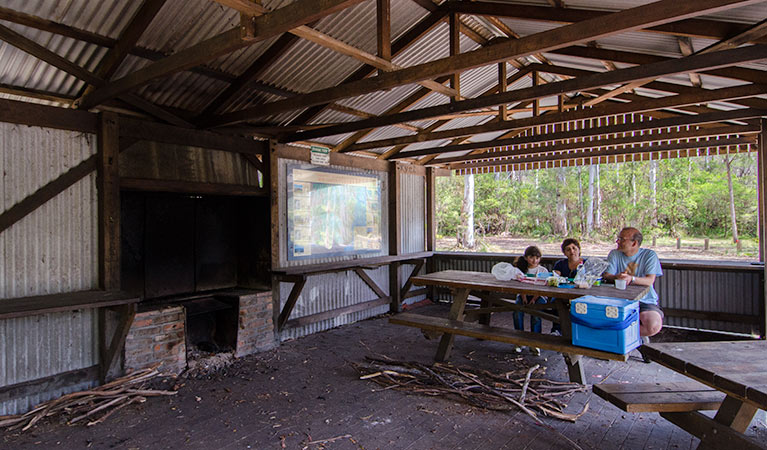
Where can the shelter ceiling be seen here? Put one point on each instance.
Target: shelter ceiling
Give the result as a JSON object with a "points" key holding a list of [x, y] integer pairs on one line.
{"points": [[380, 77]]}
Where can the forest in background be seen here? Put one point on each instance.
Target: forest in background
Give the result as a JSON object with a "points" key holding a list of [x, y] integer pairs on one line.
{"points": [[708, 196]]}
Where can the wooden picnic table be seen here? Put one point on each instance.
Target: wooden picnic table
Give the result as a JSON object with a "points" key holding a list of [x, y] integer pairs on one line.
{"points": [[737, 368], [498, 296]]}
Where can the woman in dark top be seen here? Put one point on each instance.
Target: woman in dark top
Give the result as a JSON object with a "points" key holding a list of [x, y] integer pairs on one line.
{"points": [[567, 268], [572, 250]]}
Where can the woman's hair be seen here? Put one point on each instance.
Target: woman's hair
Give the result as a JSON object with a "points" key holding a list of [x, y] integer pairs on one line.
{"points": [[521, 261], [569, 241]]}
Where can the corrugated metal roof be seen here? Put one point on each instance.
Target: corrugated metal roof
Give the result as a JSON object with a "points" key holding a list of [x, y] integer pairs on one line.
{"points": [[305, 66]]}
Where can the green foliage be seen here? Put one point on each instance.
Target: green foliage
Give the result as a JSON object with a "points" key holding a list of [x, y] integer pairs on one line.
{"points": [[692, 198]]}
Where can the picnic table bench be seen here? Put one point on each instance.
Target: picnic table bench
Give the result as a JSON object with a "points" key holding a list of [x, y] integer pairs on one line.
{"points": [[731, 379], [494, 298]]}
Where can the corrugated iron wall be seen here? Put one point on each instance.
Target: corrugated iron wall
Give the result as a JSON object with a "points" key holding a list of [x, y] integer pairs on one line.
{"points": [[412, 231], [731, 292], [329, 291], [52, 250], [691, 287]]}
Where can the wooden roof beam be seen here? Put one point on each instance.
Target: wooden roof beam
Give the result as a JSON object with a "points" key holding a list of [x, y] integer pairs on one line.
{"points": [[399, 45], [685, 46], [620, 150], [61, 63], [586, 137], [703, 28], [659, 12], [644, 72], [127, 40], [605, 109], [291, 16]]}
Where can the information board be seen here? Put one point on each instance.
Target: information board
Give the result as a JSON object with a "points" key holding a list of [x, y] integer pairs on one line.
{"points": [[332, 212]]}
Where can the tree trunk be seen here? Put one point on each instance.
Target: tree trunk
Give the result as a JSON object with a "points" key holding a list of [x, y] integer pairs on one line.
{"points": [[581, 208], [561, 223], [467, 211], [728, 163], [633, 188], [598, 218], [590, 205], [653, 192]]}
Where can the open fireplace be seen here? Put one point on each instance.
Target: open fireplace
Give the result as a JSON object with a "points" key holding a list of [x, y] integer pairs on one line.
{"points": [[201, 265]]}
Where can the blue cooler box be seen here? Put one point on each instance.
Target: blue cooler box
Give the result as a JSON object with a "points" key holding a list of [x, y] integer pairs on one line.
{"points": [[603, 323]]}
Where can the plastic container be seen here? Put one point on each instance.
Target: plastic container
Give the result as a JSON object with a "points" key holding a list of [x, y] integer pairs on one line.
{"points": [[603, 323]]}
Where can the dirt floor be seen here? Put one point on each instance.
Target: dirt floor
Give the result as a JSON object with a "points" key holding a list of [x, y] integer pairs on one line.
{"points": [[306, 395], [516, 245]]}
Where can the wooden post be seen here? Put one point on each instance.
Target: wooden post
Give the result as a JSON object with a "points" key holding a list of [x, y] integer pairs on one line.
{"points": [[431, 223], [395, 219], [738, 246], [678, 243], [272, 180], [455, 49], [761, 192], [383, 25], [653, 241], [108, 186], [502, 74]]}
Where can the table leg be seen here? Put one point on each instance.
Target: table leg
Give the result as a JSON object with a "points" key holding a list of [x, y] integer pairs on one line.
{"points": [[484, 319], [573, 362], [456, 313], [724, 431], [733, 414]]}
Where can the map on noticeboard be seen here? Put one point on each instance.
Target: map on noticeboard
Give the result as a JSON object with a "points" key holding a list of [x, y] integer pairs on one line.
{"points": [[332, 212]]}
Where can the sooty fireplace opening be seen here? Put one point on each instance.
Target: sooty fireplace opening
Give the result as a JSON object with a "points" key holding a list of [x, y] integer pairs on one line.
{"points": [[211, 324]]}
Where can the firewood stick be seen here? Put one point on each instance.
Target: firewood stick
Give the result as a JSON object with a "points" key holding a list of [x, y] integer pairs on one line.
{"points": [[138, 399], [99, 408]]}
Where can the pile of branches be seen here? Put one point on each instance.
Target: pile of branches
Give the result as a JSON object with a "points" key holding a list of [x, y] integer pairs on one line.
{"points": [[518, 389], [95, 405]]}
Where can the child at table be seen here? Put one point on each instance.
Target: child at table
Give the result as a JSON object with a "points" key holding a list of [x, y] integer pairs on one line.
{"points": [[529, 264]]}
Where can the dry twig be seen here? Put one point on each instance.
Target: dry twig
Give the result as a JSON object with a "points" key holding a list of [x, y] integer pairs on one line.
{"points": [[106, 399]]}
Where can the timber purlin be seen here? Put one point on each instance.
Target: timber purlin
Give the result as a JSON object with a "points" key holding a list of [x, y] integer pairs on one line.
{"points": [[660, 397], [559, 344]]}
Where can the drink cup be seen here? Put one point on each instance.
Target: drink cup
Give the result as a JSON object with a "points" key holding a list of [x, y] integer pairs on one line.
{"points": [[620, 284]]}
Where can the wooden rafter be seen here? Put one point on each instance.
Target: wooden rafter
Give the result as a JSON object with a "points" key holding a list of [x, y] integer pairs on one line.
{"points": [[383, 28], [611, 151], [127, 40], [692, 27], [624, 139], [606, 109], [42, 53], [648, 71], [591, 133], [250, 74], [259, 28], [663, 11], [685, 46], [625, 155], [399, 45]]}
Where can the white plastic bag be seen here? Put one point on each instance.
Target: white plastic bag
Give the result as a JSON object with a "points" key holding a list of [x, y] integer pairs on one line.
{"points": [[589, 272], [504, 271]]}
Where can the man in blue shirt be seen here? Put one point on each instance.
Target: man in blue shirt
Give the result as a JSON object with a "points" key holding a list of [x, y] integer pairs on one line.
{"points": [[637, 266]]}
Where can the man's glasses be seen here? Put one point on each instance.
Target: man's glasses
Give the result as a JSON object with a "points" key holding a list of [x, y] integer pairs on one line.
{"points": [[621, 239]]}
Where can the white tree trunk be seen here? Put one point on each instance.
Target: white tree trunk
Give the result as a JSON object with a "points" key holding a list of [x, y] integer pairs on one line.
{"points": [[728, 163], [598, 218], [561, 223], [653, 192], [590, 204], [467, 209]]}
